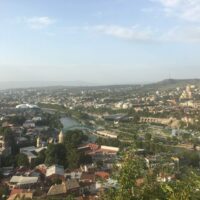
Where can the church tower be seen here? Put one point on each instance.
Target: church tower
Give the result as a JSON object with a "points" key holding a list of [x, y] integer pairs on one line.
{"points": [[39, 142], [61, 137]]}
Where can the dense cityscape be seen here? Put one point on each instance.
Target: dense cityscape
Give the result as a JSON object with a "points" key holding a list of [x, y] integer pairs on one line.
{"points": [[109, 142], [99, 100]]}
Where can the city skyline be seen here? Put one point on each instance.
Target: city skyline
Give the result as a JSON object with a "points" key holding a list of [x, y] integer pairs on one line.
{"points": [[107, 42]]}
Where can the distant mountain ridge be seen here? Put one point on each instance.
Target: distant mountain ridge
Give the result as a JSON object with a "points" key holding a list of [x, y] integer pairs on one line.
{"points": [[175, 81], [164, 84], [33, 84], [172, 83]]}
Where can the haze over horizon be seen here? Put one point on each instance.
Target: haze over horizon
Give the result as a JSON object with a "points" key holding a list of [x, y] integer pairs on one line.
{"points": [[99, 42], [34, 84]]}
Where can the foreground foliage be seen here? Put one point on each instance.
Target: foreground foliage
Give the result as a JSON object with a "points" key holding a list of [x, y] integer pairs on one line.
{"points": [[136, 182]]}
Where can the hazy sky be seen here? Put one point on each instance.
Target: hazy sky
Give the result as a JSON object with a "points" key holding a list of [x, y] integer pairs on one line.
{"points": [[99, 41]]}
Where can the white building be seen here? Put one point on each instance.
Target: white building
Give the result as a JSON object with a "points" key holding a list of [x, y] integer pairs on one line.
{"points": [[17, 181], [31, 152], [5, 149], [26, 106], [29, 124], [55, 170], [106, 134], [61, 137]]}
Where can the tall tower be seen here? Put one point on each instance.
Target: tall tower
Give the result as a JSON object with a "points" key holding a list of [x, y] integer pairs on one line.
{"points": [[39, 142], [61, 137], [189, 93]]}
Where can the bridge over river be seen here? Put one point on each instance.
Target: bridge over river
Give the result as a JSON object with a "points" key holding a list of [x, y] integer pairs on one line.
{"points": [[79, 127], [71, 124]]}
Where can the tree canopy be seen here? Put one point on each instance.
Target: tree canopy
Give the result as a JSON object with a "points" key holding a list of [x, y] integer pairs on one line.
{"points": [[137, 182]]}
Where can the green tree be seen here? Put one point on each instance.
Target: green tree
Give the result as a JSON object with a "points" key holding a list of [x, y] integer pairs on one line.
{"points": [[7, 161], [9, 138], [4, 191], [74, 138], [148, 137], [133, 169], [73, 158], [40, 159], [17, 120], [55, 154], [84, 159], [22, 160], [69, 197]]}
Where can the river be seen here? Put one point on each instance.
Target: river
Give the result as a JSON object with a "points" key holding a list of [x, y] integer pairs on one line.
{"points": [[69, 123]]}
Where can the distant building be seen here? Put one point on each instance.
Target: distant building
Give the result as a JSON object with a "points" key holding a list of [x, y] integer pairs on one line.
{"points": [[23, 181], [100, 152], [5, 148], [55, 171], [31, 152], [69, 187], [7, 125], [102, 175], [26, 106], [39, 142], [109, 149], [87, 183], [20, 194], [172, 122], [36, 119], [72, 186], [57, 190], [61, 137], [106, 134], [187, 93], [29, 124]]}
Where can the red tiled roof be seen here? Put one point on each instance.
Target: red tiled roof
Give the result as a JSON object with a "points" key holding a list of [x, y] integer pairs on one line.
{"points": [[87, 177], [92, 146], [103, 175], [102, 151], [16, 191]]}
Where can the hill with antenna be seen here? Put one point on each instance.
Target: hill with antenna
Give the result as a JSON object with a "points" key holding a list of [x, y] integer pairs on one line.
{"points": [[173, 83]]}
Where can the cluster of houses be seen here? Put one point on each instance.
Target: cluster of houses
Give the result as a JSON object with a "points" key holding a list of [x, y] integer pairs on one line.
{"points": [[88, 180], [55, 181]]}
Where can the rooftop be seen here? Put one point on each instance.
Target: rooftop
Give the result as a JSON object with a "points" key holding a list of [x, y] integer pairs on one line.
{"points": [[23, 180], [55, 169]]}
